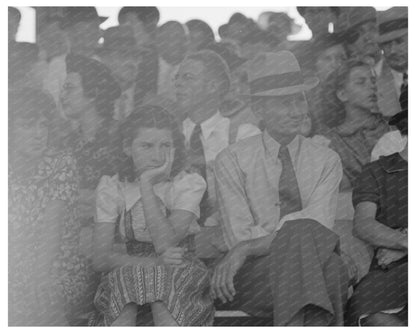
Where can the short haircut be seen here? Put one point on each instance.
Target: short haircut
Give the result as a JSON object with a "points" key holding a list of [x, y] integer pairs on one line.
{"points": [[97, 82], [148, 15], [216, 67], [152, 116], [332, 108]]}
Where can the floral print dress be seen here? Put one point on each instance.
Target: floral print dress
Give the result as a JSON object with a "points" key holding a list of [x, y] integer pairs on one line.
{"points": [[54, 179]]}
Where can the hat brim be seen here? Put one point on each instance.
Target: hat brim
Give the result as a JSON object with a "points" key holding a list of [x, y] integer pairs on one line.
{"points": [[392, 35], [309, 83]]}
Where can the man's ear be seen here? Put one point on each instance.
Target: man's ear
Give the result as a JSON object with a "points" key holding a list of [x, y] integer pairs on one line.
{"points": [[213, 86], [127, 149], [342, 96]]}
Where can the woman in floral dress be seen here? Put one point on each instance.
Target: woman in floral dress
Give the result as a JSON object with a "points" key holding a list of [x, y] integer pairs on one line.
{"points": [[47, 277]]}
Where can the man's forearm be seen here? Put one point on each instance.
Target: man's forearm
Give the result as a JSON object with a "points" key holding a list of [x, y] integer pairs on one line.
{"points": [[379, 235], [257, 247]]}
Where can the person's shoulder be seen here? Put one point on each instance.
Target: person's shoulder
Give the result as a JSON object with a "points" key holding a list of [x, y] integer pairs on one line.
{"points": [[247, 144], [318, 146], [242, 151]]}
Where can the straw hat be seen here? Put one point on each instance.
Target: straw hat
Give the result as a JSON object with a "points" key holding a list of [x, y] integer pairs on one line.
{"points": [[392, 24], [277, 74]]}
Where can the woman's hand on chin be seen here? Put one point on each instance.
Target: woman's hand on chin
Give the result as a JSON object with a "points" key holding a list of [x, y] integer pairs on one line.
{"points": [[157, 175]]}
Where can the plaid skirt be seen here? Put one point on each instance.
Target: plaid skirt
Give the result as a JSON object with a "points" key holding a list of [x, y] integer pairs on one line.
{"points": [[183, 289]]}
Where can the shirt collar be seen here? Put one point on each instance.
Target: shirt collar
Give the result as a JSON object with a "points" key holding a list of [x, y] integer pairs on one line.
{"points": [[273, 147], [393, 163], [378, 67], [208, 126]]}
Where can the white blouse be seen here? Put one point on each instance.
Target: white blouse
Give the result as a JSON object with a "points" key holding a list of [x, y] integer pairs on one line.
{"points": [[114, 197]]}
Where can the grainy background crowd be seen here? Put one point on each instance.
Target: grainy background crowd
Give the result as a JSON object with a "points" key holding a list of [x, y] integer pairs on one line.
{"points": [[159, 175]]}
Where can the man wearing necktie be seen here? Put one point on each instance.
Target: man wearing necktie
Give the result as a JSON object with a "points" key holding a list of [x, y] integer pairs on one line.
{"points": [[277, 194], [201, 84]]}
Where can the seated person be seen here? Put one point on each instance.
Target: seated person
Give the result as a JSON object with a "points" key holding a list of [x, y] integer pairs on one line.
{"points": [[349, 99], [154, 207], [277, 195], [48, 278], [320, 58], [391, 142], [381, 205]]}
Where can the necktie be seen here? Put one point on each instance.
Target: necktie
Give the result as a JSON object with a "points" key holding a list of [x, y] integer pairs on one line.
{"points": [[196, 152], [290, 200], [197, 160]]}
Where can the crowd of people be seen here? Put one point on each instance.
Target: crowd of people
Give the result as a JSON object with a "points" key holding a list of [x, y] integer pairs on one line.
{"points": [[160, 174]]}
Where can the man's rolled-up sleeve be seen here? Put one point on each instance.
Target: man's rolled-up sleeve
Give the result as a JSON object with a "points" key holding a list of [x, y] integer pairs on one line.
{"points": [[237, 222]]}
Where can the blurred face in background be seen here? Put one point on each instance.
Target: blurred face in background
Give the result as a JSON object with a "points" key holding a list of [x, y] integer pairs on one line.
{"points": [[73, 100], [53, 40], [172, 43], [139, 31], [192, 86], [365, 45], [123, 65], [329, 60], [31, 137], [360, 89], [396, 53], [84, 37]]}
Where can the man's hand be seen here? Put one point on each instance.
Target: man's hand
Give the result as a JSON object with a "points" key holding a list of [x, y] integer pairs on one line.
{"points": [[222, 282], [386, 256], [172, 256]]}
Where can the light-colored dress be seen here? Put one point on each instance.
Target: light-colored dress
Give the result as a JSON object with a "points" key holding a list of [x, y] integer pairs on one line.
{"points": [[183, 289]]}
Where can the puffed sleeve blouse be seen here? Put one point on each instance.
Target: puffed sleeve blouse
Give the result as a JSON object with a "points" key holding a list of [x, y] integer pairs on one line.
{"points": [[114, 198]]}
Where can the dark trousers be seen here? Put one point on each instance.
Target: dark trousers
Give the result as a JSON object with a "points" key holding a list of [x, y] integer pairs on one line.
{"points": [[303, 272]]}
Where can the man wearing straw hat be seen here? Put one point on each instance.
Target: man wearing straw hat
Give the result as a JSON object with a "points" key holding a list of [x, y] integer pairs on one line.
{"points": [[277, 194], [392, 73]]}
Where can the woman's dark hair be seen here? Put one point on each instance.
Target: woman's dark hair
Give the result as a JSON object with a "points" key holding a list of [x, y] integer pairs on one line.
{"points": [[29, 104], [152, 116], [97, 82], [308, 54], [333, 109]]}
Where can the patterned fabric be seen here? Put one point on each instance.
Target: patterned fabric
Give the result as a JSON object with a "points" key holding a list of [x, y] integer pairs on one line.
{"points": [[354, 145], [54, 179], [183, 289], [96, 158]]}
